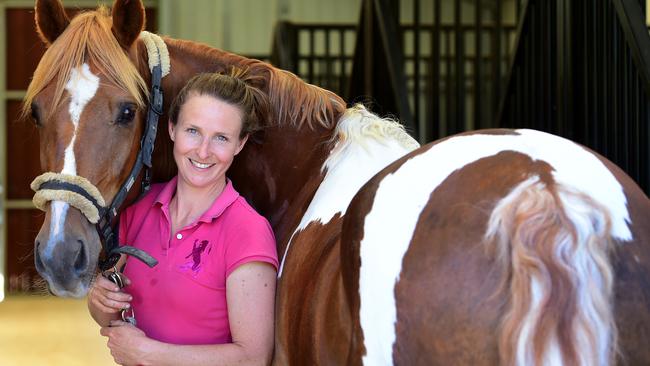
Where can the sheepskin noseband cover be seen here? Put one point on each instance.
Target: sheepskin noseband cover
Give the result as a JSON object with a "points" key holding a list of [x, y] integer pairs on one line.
{"points": [[73, 189]]}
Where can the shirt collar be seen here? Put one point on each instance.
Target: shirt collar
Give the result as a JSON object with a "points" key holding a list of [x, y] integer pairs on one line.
{"points": [[223, 201]]}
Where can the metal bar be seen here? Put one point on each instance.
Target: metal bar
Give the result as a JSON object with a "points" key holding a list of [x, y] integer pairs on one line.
{"points": [[497, 52], [416, 65], [449, 87], [511, 74], [460, 71], [478, 85], [368, 46], [435, 72], [312, 51], [636, 36], [328, 62], [342, 87]]}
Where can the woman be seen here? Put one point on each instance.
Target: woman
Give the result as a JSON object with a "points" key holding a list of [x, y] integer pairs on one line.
{"points": [[210, 300]]}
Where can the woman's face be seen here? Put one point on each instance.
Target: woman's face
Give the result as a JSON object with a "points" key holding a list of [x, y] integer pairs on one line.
{"points": [[206, 139]]}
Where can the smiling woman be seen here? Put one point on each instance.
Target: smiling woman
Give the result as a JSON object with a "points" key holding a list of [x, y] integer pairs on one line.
{"points": [[213, 248]]}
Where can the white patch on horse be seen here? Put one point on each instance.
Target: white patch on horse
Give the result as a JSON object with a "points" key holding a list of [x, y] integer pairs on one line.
{"points": [[369, 144], [401, 197], [82, 86]]}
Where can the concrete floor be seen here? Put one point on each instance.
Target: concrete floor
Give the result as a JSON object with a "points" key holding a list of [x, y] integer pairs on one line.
{"points": [[45, 330]]}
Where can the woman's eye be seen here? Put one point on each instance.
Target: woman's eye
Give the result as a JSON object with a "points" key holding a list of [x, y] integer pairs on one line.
{"points": [[221, 138], [126, 114], [192, 131]]}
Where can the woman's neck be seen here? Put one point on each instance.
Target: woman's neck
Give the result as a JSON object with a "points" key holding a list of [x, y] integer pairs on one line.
{"points": [[188, 203]]}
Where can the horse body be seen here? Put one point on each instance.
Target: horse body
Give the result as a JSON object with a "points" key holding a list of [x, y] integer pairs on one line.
{"points": [[491, 247], [453, 285]]}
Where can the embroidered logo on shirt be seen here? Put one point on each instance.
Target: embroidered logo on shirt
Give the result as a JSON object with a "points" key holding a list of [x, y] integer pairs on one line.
{"points": [[197, 250]]}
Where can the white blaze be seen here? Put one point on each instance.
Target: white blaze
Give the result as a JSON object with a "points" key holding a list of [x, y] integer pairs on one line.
{"points": [[82, 86], [401, 197]]}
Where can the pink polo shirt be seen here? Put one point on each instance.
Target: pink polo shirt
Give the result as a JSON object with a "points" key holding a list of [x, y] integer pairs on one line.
{"points": [[183, 299]]}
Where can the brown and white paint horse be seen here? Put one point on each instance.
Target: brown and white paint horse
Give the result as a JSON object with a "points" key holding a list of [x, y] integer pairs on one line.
{"points": [[491, 247]]}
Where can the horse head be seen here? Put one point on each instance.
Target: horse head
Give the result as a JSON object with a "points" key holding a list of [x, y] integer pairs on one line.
{"points": [[87, 100]]}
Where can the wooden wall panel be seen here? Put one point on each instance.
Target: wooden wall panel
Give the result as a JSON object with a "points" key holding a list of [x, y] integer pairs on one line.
{"points": [[23, 163], [23, 227]]}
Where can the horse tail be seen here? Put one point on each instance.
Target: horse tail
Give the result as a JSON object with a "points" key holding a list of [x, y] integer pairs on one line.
{"points": [[553, 245]]}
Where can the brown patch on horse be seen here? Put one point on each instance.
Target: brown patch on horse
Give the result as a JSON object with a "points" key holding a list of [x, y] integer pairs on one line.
{"points": [[447, 263], [128, 21], [314, 328], [51, 20]]}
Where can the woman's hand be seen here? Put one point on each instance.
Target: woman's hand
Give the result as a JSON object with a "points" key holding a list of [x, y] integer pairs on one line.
{"points": [[128, 344], [105, 299]]}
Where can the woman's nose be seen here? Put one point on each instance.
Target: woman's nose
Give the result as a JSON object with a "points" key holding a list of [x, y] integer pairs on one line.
{"points": [[204, 148]]}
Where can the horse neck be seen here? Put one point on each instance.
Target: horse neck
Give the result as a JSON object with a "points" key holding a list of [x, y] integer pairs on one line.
{"points": [[280, 174]]}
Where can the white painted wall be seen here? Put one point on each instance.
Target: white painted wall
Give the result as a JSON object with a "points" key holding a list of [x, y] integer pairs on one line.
{"points": [[246, 26]]}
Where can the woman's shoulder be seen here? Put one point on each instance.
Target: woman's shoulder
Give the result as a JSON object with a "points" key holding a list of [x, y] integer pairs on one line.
{"points": [[243, 211]]}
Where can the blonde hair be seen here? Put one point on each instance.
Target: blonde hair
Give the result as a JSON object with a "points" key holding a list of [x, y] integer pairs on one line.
{"points": [[234, 89]]}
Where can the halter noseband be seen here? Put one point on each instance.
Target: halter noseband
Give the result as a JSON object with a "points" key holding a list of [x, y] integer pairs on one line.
{"points": [[83, 195]]}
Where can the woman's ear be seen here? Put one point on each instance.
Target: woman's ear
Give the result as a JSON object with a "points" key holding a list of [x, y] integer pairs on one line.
{"points": [[242, 142], [170, 127]]}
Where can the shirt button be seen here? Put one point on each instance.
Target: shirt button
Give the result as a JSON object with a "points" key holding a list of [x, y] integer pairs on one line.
{"points": [[179, 236]]}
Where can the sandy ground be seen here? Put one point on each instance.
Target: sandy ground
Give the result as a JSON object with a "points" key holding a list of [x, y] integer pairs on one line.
{"points": [[45, 330]]}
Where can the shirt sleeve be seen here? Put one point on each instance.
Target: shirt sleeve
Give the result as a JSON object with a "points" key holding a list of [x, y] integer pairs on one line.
{"points": [[251, 241]]}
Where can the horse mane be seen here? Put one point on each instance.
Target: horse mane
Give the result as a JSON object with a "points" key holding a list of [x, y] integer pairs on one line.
{"points": [[300, 103], [293, 101], [87, 39]]}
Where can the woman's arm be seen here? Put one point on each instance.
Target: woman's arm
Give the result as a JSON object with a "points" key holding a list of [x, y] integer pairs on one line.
{"points": [[250, 292]]}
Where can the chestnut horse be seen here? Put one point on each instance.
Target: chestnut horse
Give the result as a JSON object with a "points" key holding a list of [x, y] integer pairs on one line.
{"points": [[490, 247]]}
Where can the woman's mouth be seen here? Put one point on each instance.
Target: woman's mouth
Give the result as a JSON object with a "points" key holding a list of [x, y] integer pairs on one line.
{"points": [[201, 165]]}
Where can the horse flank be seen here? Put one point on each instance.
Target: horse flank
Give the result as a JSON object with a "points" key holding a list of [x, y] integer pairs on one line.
{"points": [[87, 39], [553, 245]]}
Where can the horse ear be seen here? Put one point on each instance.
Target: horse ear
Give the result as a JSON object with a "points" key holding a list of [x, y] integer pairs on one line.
{"points": [[51, 19], [128, 21]]}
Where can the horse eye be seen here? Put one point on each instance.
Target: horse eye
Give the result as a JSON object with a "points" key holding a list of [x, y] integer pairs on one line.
{"points": [[126, 114], [34, 115]]}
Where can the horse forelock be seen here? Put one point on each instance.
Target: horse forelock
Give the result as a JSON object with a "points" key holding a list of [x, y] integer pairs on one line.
{"points": [[87, 39]]}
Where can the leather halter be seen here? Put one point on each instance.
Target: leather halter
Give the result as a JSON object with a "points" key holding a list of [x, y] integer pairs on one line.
{"points": [[108, 237], [80, 193]]}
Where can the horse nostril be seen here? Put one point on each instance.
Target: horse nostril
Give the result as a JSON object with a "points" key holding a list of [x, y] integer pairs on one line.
{"points": [[40, 267], [81, 261]]}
